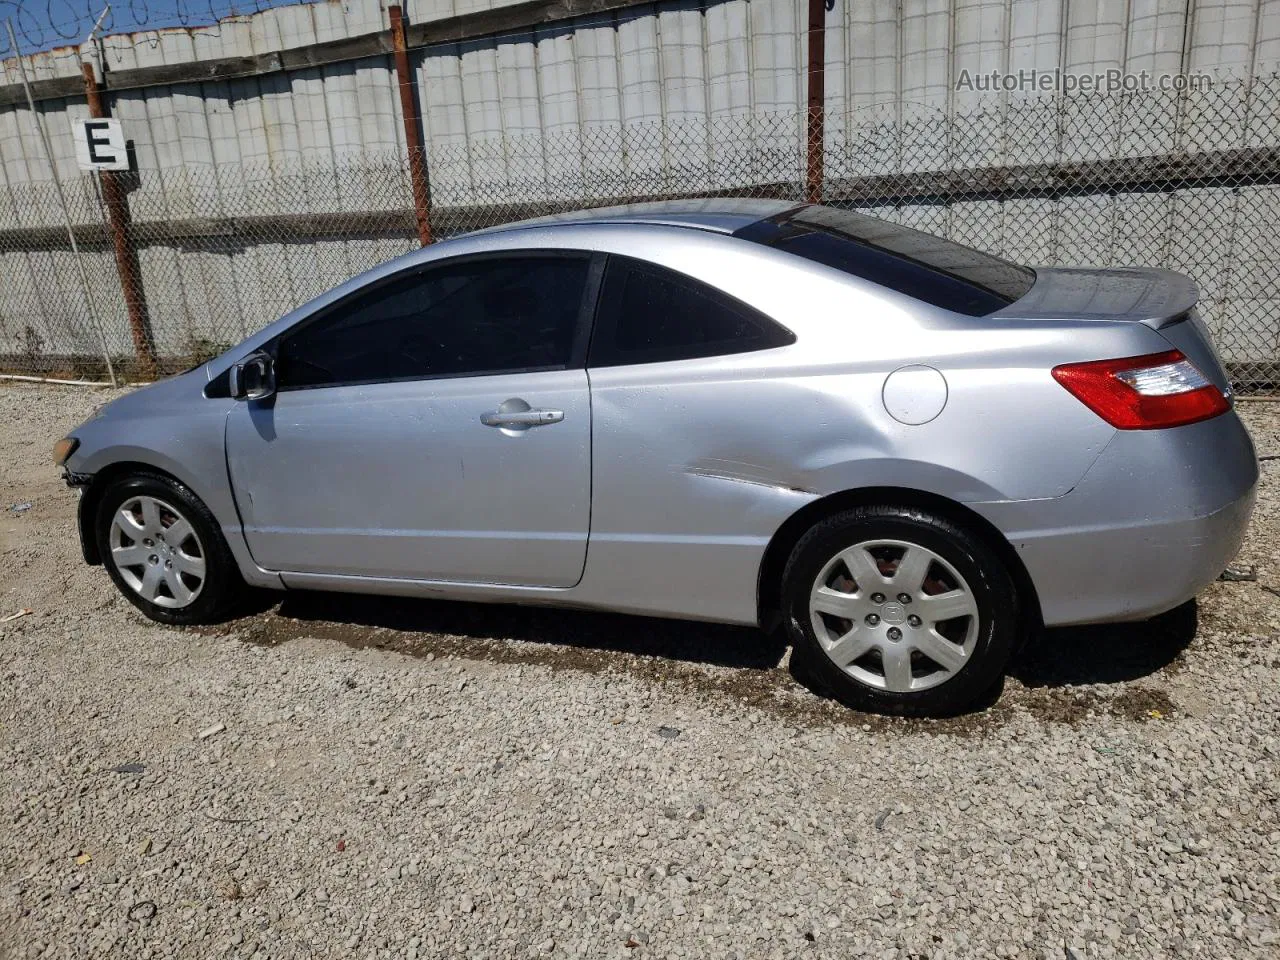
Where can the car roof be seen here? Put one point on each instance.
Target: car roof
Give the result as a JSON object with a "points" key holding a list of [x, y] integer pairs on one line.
{"points": [[715, 214]]}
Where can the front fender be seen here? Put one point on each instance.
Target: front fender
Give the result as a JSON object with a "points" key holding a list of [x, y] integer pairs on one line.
{"points": [[203, 471], [94, 472], [185, 440]]}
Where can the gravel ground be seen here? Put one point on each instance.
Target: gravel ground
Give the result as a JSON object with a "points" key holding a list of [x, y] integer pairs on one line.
{"points": [[396, 779]]}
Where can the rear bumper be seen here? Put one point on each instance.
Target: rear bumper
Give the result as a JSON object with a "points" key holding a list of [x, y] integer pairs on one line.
{"points": [[1154, 520]]}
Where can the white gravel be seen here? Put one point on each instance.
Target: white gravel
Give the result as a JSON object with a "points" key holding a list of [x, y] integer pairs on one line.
{"points": [[493, 782]]}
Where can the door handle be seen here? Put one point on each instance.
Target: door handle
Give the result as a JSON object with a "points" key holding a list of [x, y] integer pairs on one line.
{"points": [[521, 419]]}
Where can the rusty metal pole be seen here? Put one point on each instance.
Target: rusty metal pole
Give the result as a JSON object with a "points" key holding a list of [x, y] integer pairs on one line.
{"points": [[113, 196], [817, 95], [412, 128]]}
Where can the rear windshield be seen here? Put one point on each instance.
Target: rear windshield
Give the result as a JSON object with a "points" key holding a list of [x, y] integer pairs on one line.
{"points": [[928, 268]]}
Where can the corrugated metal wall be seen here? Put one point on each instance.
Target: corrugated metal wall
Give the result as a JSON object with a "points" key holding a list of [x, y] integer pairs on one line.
{"points": [[678, 62], [704, 95]]}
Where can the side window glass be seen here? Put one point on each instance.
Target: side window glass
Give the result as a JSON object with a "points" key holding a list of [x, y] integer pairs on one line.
{"points": [[482, 316], [650, 314]]}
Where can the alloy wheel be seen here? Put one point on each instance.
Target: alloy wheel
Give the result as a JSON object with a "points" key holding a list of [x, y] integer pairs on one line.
{"points": [[157, 552], [894, 615]]}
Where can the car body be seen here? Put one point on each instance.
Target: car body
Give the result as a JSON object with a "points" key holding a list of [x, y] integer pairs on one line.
{"points": [[631, 477]]}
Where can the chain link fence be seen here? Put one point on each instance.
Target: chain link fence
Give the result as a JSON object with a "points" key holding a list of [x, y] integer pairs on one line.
{"points": [[1186, 180]]}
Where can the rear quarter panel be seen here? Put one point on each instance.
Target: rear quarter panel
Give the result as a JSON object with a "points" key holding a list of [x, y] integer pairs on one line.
{"points": [[811, 416], [696, 464]]}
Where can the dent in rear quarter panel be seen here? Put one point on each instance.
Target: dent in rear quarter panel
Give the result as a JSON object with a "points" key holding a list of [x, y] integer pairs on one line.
{"points": [[696, 464]]}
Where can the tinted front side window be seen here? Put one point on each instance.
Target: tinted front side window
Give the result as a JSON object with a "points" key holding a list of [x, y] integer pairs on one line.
{"points": [[475, 317], [929, 268], [650, 314]]}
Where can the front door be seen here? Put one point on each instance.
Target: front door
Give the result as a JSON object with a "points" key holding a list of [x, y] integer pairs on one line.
{"points": [[436, 427]]}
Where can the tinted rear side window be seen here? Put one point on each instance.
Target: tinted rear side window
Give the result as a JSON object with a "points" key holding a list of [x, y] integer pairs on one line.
{"points": [[650, 314], [483, 316], [929, 268]]}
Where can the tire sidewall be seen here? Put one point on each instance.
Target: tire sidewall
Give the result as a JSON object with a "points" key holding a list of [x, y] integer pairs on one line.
{"points": [[981, 569], [218, 575]]}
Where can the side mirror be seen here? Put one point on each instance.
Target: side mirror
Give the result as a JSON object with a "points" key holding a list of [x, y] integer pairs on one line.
{"points": [[253, 378]]}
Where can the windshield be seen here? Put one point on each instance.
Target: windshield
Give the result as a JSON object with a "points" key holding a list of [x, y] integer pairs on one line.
{"points": [[921, 265]]}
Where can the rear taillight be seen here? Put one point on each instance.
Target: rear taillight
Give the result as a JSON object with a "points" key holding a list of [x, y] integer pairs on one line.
{"points": [[1144, 393]]}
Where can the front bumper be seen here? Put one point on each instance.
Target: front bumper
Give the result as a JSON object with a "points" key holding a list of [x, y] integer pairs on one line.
{"points": [[84, 522], [1154, 521]]}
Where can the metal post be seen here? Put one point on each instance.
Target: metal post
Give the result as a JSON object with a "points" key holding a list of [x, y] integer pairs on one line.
{"points": [[412, 129], [113, 195], [817, 95], [66, 210]]}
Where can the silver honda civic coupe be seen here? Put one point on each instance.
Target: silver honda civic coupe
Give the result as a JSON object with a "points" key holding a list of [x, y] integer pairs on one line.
{"points": [[908, 453]]}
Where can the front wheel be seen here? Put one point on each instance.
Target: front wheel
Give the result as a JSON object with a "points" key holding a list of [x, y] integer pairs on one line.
{"points": [[896, 610], [163, 550]]}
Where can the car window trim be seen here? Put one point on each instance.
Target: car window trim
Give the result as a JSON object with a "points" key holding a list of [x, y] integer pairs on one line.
{"points": [[579, 340], [590, 312], [605, 328]]}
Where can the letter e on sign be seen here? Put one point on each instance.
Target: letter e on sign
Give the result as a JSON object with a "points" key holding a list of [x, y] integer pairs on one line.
{"points": [[100, 145]]}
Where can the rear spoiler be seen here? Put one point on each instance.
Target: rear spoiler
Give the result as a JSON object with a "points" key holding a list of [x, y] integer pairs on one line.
{"points": [[1160, 299], [1149, 296]]}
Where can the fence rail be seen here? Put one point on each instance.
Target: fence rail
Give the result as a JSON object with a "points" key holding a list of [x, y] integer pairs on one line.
{"points": [[1188, 181]]}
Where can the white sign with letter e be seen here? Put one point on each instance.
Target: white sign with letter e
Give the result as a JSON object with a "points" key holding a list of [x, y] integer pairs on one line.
{"points": [[100, 145]]}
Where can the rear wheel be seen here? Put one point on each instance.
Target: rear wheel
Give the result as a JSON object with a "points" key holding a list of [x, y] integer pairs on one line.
{"points": [[896, 610], [163, 550]]}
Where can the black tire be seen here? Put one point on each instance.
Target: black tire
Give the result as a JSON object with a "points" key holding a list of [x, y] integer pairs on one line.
{"points": [[222, 589], [989, 583]]}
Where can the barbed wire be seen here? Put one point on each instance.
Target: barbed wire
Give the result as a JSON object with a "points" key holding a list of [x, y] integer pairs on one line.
{"points": [[43, 24]]}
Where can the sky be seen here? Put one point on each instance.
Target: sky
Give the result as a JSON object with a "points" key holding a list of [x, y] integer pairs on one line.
{"points": [[41, 24]]}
